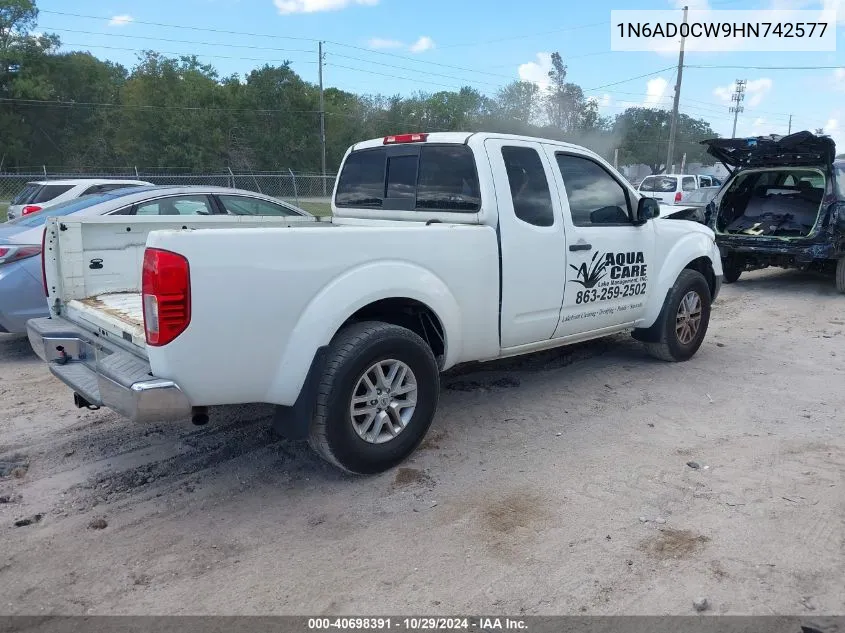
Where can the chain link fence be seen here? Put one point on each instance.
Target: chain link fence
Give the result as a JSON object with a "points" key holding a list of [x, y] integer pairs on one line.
{"points": [[311, 191]]}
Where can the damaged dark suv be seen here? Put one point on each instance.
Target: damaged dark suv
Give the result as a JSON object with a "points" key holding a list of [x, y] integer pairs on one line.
{"points": [[783, 204]]}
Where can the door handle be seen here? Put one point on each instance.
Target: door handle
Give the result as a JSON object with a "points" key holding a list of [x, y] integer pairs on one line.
{"points": [[580, 247]]}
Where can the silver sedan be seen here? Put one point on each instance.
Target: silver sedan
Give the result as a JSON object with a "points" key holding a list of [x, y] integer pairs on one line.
{"points": [[21, 293]]}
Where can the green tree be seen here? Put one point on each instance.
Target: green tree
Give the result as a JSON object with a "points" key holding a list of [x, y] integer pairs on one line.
{"points": [[643, 135]]}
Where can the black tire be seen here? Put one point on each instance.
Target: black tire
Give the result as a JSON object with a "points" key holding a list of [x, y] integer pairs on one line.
{"points": [[353, 351], [840, 275], [732, 269], [669, 346]]}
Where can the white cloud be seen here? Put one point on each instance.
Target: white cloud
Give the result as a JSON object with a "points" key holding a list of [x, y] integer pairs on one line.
{"points": [[755, 91], [286, 7], [655, 91], [423, 44], [537, 72], [839, 78], [120, 20], [379, 42]]}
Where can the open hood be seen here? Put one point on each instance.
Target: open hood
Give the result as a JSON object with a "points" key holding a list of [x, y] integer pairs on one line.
{"points": [[799, 149]]}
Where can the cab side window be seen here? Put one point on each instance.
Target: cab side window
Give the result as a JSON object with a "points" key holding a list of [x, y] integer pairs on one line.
{"points": [[595, 197], [532, 202]]}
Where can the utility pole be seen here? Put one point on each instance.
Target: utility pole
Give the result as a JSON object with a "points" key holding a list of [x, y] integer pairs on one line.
{"points": [[616, 158], [790, 124], [737, 96], [322, 116], [674, 123]]}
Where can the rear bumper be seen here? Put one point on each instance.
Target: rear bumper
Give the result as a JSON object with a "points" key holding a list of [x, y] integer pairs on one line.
{"points": [[106, 375], [797, 252]]}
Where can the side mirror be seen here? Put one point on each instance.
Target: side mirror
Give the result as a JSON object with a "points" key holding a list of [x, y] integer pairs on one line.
{"points": [[647, 209]]}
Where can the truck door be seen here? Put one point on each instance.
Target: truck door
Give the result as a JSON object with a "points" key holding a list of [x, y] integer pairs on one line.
{"points": [[532, 242], [609, 258]]}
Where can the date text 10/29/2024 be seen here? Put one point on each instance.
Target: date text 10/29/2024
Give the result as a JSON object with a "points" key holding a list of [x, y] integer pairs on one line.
{"points": [[416, 624]]}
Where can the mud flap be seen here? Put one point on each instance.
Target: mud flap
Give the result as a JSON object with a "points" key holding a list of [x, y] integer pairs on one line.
{"points": [[652, 334], [292, 422]]}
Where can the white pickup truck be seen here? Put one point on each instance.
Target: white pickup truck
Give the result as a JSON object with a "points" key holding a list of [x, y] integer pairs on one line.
{"points": [[443, 248]]}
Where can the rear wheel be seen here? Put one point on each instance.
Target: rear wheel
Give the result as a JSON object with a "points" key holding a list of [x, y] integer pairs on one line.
{"points": [[732, 268], [840, 275], [685, 319], [377, 398]]}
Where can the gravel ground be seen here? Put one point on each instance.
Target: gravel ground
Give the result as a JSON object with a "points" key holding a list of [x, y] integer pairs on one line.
{"points": [[591, 480]]}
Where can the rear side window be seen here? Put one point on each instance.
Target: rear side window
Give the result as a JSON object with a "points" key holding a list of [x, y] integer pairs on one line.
{"points": [[532, 202], [659, 184], [26, 194], [689, 183], [422, 178], [48, 192]]}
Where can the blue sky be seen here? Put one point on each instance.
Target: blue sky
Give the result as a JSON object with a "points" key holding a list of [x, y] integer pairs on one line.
{"points": [[401, 46]]}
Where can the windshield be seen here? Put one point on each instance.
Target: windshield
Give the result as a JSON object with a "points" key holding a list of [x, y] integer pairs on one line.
{"points": [[659, 183], [71, 206]]}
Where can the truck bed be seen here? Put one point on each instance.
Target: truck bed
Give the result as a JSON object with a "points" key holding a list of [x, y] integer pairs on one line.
{"points": [[119, 313], [94, 267]]}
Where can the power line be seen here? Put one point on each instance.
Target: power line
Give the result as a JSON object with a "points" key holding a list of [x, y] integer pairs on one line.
{"points": [[373, 72], [179, 41], [622, 81], [414, 70], [288, 37], [182, 26], [141, 50]]}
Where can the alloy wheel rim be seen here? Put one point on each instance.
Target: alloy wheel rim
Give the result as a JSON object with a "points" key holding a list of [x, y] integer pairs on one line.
{"points": [[688, 319], [383, 401]]}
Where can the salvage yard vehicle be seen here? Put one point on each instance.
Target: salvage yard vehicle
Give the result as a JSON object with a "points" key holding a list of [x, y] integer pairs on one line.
{"points": [[668, 188], [43, 194], [783, 205], [21, 291], [443, 248]]}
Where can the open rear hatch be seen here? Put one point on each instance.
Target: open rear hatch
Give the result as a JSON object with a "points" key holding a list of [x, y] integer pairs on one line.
{"points": [[778, 186], [796, 150]]}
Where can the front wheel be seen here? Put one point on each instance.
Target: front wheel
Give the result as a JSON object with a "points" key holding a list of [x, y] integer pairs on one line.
{"points": [[377, 398], [683, 323]]}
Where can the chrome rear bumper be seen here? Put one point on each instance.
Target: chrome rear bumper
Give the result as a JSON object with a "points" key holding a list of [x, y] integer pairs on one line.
{"points": [[104, 374]]}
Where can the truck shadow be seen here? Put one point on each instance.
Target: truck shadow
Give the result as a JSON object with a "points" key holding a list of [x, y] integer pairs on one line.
{"points": [[15, 347]]}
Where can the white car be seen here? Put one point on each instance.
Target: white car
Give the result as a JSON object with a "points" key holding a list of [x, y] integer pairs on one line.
{"points": [[443, 248], [42, 194], [668, 188]]}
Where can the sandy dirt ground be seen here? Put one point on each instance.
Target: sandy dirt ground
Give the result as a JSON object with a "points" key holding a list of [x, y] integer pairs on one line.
{"points": [[553, 484]]}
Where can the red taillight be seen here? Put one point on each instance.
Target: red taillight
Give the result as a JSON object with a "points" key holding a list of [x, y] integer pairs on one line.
{"points": [[678, 197], [405, 138], [9, 254], [30, 208], [166, 292], [44, 270]]}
